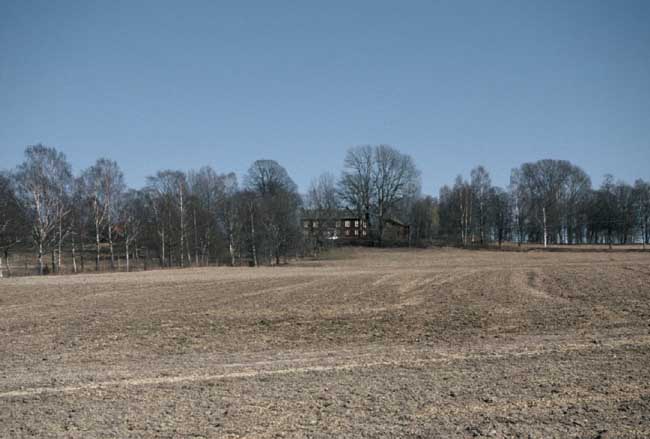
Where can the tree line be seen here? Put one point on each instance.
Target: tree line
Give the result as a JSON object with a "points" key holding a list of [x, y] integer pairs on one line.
{"points": [[546, 202], [203, 217]]}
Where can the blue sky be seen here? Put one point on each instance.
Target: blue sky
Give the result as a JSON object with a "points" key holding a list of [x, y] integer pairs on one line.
{"points": [[178, 85]]}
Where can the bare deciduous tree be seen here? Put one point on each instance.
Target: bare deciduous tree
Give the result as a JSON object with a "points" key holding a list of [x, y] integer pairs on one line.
{"points": [[277, 202], [40, 180], [642, 197], [168, 191], [374, 180], [395, 177], [480, 186], [104, 183], [322, 205], [132, 216], [13, 223], [228, 214], [356, 183], [424, 221]]}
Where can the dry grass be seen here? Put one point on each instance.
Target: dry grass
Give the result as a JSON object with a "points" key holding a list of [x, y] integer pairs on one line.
{"points": [[367, 343]]}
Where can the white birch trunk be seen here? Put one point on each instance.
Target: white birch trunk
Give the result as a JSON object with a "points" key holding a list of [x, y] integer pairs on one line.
{"points": [[110, 244], [231, 249], [545, 229], [40, 257], [60, 242], [182, 225], [253, 240], [74, 257]]}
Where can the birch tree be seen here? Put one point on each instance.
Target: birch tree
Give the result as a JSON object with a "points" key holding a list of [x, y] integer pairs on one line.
{"points": [[13, 224], [104, 183], [41, 179], [277, 203], [168, 192], [132, 215], [228, 213], [480, 186], [642, 199]]}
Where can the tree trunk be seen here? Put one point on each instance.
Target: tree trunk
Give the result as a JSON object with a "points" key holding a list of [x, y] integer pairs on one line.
{"points": [[196, 240], [127, 255], [253, 240], [7, 263], [545, 228], [609, 238], [231, 249], [182, 225], [110, 244], [162, 262], [97, 247], [60, 241], [74, 256], [380, 226]]}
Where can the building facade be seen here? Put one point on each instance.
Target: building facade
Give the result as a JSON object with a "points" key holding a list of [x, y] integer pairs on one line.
{"points": [[346, 228]]}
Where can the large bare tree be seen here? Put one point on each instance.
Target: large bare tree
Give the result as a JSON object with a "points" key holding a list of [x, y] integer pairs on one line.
{"points": [[229, 207], [480, 186], [42, 180], [276, 201], [206, 189], [375, 179], [168, 193], [548, 192], [356, 189], [104, 183], [424, 220], [322, 205], [395, 178], [132, 216], [13, 224], [642, 196]]}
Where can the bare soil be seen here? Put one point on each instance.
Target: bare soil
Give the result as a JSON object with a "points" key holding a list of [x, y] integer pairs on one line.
{"points": [[372, 343]]}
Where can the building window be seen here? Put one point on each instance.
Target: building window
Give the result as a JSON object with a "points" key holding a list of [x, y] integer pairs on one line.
{"points": [[315, 224], [305, 224], [356, 232], [356, 223], [347, 223], [347, 232], [364, 233]]}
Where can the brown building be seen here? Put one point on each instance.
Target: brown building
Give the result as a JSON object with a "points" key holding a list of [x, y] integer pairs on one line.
{"points": [[396, 231], [349, 229], [345, 228]]}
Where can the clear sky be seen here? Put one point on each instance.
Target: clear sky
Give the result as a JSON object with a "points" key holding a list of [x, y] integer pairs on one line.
{"points": [[178, 85]]}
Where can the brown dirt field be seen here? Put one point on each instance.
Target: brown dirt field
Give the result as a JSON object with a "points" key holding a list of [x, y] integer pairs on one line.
{"points": [[370, 343]]}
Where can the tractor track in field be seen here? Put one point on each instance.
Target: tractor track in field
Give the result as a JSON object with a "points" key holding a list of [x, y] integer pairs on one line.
{"points": [[341, 361]]}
